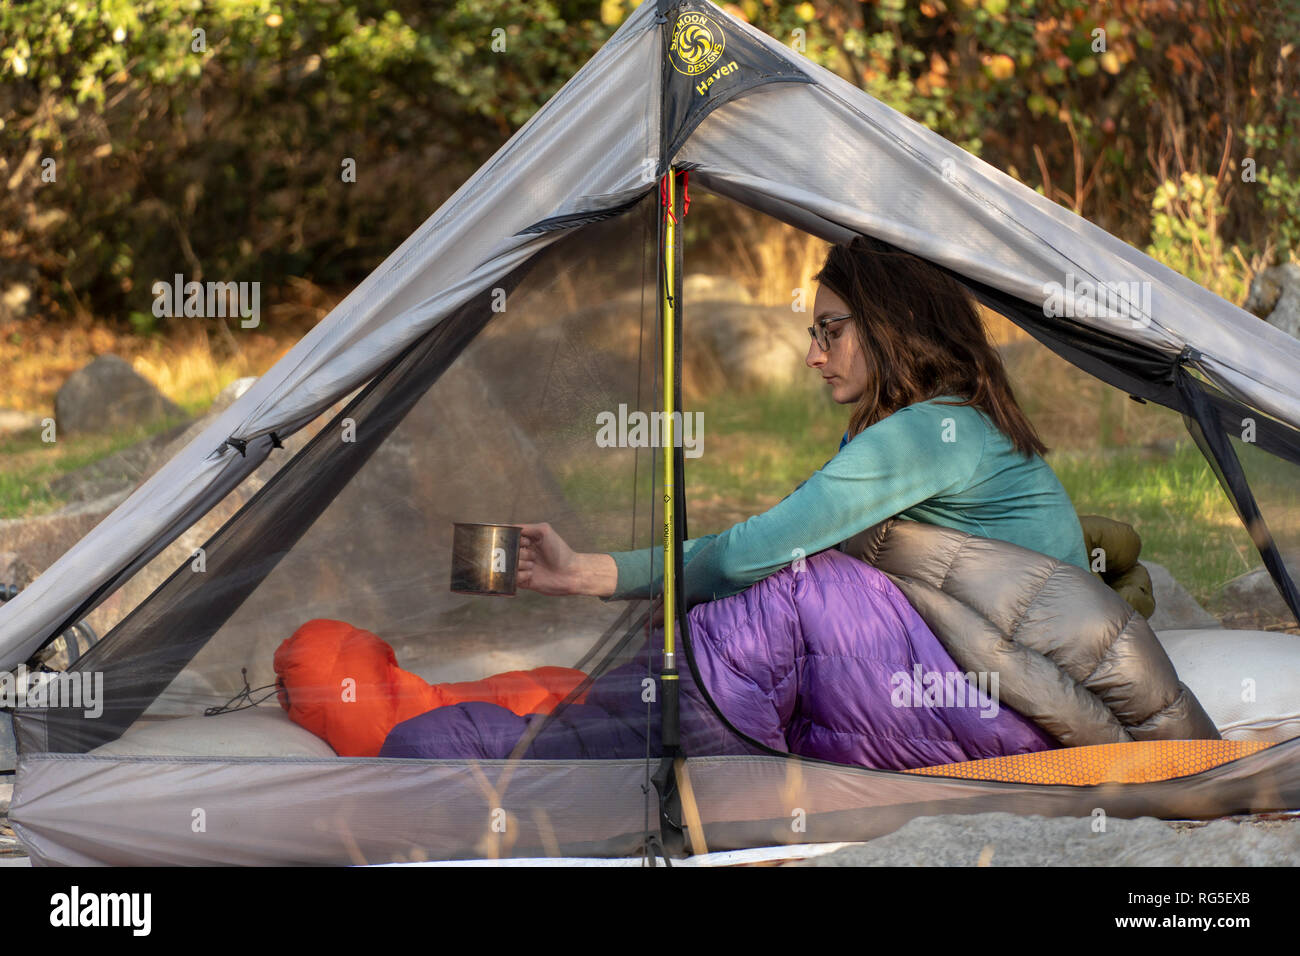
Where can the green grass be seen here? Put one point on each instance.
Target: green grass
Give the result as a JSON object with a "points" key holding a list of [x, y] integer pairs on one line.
{"points": [[28, 465], [1174, 501], [759, 447]]}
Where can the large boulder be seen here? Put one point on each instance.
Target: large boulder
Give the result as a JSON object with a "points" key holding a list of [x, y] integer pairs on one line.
{"points": [[30, 545], [108, 395], [753, 347], [1275, 297], [145, 581], [728, 342], [1175, 606], [42, 539], [738, 345], [700, 287], [105, 479], [1254, 595], [379, 554]]}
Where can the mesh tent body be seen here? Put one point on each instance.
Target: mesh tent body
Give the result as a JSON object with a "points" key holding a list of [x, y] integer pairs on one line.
{"points": [[594, 156]]}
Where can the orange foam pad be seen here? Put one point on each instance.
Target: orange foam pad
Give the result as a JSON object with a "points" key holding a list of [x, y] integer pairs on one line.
{"points": [[1144, 761], [343, 684]]}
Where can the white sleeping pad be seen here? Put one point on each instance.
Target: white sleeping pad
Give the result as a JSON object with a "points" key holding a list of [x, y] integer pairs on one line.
{"points": [[264, 731], [1247, 681]]}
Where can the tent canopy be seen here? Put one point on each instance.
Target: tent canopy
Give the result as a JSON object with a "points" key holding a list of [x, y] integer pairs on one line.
{"points": [[752, 121]]}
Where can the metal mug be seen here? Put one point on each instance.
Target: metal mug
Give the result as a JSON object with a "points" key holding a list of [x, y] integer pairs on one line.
{"points": [[484, 558]]}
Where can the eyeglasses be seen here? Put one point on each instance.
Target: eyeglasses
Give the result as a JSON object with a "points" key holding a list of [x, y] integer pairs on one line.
{"points": [[818, 331]]}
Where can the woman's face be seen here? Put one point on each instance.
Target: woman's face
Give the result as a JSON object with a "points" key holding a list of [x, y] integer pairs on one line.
{"points": [[843, 366]]}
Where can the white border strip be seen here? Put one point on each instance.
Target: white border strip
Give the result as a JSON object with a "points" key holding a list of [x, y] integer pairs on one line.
{"points": [[762, 854]]}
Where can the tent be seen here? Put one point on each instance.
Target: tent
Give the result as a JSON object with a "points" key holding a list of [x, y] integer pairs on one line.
{"points": [[458, 383]]}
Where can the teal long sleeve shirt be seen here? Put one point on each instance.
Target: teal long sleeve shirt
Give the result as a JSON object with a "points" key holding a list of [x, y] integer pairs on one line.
{"points": [[942, 464]]}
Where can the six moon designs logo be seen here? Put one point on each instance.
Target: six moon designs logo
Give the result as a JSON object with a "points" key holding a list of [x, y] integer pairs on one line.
{"points": [[697, 44]]}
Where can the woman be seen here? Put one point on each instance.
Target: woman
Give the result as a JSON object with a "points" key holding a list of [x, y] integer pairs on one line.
{"points": [[824, 658], [935, 435]]}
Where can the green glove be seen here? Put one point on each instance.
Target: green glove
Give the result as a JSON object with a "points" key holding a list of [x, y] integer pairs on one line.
{"points": [[1117, 540], [1134, 586]]}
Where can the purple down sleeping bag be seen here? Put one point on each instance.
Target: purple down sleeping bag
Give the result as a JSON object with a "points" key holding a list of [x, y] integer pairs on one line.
{"points": [[825, 658]]}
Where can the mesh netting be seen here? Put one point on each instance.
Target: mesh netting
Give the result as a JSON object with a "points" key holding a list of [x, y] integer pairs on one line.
{"points": [[491, 418]]}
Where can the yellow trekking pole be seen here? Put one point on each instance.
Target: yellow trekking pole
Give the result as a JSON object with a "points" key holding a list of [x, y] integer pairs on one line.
{"points": [[668, 337], [670, 484]]}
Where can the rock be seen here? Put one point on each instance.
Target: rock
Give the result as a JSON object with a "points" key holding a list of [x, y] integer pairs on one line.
{"points": [[14, 571], [728, 341], [603, 340], [15, 575], [130, 467], [145, 581], [41, 540], [19, 280], [126, 469], [1255, 593], [107, 395], [92, 492], [1006, 839], [227, 396], [120, 471], [754, 347], [30, 545], [379, 554], [13, 421], [1175, 607], [1275, 297], [699, 287]]}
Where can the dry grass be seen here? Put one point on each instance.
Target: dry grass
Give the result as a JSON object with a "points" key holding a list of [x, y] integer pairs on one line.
{"points": [[183, 366], [189, 364]]}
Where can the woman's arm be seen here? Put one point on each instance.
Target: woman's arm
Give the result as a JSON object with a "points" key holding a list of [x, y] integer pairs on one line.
{"points": [[549, 566], [639, 574], [598, 575], [913, 455]]}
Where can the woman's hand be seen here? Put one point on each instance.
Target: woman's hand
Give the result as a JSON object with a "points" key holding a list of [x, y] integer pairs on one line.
{"points": [[546, 564]]}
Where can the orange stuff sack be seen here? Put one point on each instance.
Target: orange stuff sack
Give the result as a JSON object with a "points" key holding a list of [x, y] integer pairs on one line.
{"points": [[344, 685]]}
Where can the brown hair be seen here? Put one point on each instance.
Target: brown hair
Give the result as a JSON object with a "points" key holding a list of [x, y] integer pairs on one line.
{"points": [[921, 336]]}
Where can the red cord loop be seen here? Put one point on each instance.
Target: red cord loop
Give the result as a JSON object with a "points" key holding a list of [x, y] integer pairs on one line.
{"points": [[686, 195]]}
